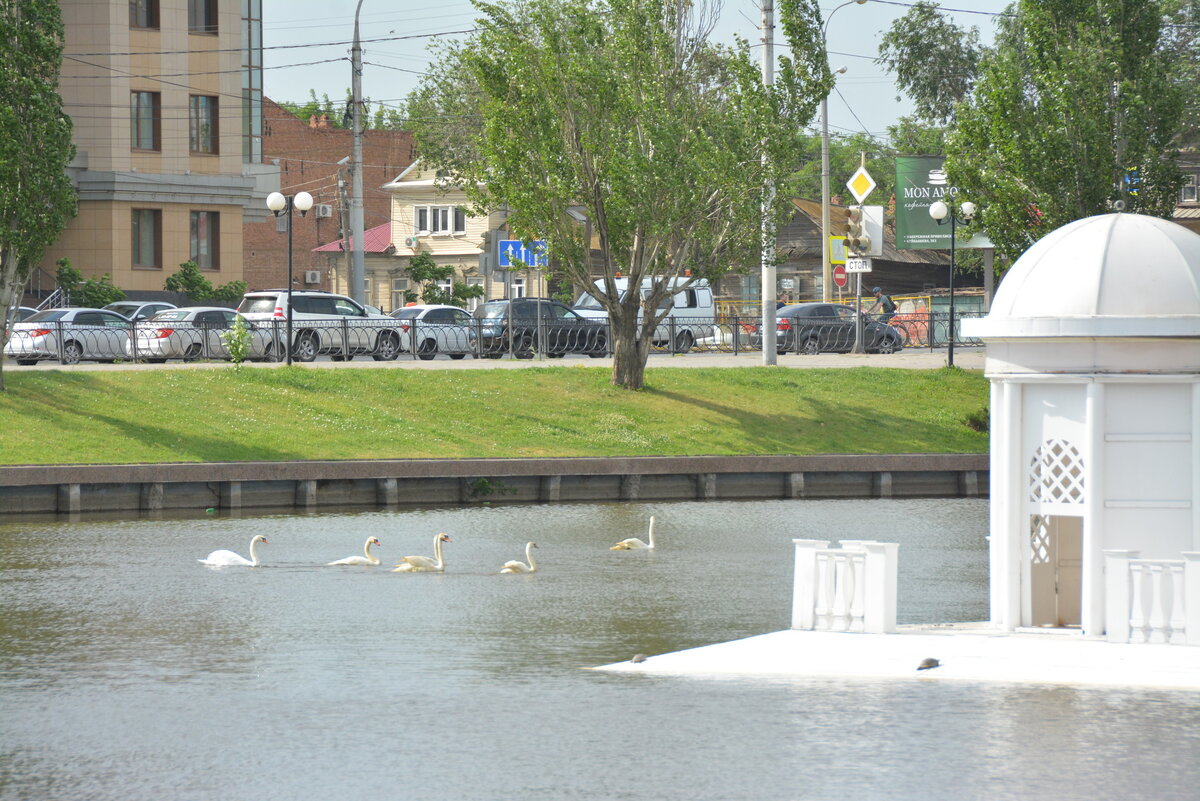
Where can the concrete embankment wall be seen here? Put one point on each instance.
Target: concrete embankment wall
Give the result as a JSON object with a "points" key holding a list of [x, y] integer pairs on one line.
{"points": [[433, 482]]}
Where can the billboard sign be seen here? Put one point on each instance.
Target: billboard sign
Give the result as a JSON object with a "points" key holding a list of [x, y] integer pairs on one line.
{"points": [[920, 182]]}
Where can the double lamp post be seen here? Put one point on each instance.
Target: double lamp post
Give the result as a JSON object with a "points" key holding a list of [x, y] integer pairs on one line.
{"points": [[283, 204]]}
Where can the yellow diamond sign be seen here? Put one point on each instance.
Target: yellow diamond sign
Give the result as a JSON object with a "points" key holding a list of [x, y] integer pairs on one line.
{"points": [[861, 184]]}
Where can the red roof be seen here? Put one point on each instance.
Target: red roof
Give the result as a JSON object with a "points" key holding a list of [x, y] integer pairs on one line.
{"points": [[377, 240]]}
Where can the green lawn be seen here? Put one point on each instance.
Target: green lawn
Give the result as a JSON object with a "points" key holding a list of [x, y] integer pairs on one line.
{"points": [[57, 417]]}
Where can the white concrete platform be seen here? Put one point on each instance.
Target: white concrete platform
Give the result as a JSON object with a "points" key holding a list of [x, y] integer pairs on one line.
{"points": [[966, 652]]}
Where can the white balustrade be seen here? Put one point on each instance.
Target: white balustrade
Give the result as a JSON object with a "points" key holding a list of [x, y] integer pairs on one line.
{"points": [[1152, 600], [852, 588]]}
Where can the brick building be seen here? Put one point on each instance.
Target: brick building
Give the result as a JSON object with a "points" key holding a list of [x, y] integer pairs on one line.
{"points": [[307, 153]]}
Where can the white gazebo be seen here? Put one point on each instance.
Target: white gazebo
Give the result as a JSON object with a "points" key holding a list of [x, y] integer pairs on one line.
{"points": [[1093, 352]]}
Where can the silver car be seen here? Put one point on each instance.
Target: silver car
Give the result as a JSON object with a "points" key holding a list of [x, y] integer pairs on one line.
{"points": [[69, 335], [139, 310], [193, 332], [435, 329]]}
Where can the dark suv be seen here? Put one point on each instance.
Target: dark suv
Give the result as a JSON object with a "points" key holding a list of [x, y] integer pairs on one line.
{"points": [[536, 325]]}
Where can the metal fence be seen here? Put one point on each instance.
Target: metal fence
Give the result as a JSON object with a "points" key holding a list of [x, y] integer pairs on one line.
{"points": [[385, 340]]}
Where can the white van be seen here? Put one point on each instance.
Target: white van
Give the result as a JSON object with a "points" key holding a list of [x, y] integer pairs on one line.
{"points": [[691, 316]]}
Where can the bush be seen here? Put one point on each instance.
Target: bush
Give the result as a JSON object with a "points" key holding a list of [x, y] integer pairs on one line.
{"points": [[191, 282], [93, 293]]}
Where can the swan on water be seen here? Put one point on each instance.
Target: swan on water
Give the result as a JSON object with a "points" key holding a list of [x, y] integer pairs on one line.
{"points": [[425, 564], [225, 558], [513, 566], [633, 543], [368, 558]]}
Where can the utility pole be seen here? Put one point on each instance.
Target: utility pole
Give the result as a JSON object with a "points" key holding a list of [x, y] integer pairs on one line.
{"points": [[344, 225], [768, 229], [357, 269]]}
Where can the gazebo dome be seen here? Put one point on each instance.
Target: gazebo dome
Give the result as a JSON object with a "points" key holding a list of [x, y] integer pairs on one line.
{"points": [[1112, 275]]}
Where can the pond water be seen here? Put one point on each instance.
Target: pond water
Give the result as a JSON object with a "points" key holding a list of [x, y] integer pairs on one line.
{"points": [[129, 671]]}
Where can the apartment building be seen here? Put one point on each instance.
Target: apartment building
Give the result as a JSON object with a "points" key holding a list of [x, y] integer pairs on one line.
{"points": [[166, 100]]}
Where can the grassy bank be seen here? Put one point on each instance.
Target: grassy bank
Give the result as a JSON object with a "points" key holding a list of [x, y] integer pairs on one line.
{"points": [[57, 417]]}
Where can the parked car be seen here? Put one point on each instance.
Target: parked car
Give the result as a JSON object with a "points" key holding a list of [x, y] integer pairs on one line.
{"points": [[71, 335], [137, 310], [435, 329], [23, 313], [827, 327], [690, 311], [322, 322], [527, 325], [193, 332]]}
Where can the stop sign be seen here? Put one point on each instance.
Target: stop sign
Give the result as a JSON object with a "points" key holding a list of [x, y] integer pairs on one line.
{"points": [[839, 275]]}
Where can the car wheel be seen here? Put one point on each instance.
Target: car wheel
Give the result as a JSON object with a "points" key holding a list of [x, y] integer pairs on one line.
{"points": [[306, 349], [524, 348], [684, 342], [811, 347], [193, 351], [555, 355], [387, 348], [427, 350], [889, 344], [72, 353], [601, 349], [458, 356], [26, 362]]}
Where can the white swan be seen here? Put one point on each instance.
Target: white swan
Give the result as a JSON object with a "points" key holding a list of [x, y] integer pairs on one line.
{"points": [[633, 543], [229, 558], [513, 566], [423, 564], [368, 558]]}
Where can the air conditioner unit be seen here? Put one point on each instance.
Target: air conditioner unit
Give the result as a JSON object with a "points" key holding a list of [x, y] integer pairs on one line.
{"points": [[312, 276], [323, 210], [411, 241]]}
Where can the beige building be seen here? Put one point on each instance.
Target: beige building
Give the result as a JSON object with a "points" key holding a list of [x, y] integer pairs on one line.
{"points": [[165, 97], [427, 218]]}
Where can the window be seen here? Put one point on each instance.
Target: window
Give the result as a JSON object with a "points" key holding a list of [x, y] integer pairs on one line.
{"points": [[203, 120], [1188, 193], [147, 238], [143, 13], [202, 16], [440, 219], [446, 287], [206, 239], [399, 287], [144, 120], [517, 288], [473, 303]]}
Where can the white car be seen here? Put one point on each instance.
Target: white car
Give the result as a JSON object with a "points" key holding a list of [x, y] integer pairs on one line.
{"points": [[69, 335], [139, 310], [435, 329], [322, 322], [193, 332]]}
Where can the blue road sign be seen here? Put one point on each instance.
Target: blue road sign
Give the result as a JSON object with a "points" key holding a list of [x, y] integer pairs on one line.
{"points": [[514, 254]]}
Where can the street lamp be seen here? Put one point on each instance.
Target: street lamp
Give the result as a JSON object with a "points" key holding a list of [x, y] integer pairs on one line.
{"points": [[283, 204], [942, 213], [826, 264]]}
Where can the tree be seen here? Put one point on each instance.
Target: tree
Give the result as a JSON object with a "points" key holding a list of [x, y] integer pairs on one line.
{"points": [[190, 281], [621, 112], [36, 197], [93, 293], [427, 274], [1076, 109], [935, 61]]}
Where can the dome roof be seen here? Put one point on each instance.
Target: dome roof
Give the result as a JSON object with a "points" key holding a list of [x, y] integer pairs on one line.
{"points": [[1109, 275]]}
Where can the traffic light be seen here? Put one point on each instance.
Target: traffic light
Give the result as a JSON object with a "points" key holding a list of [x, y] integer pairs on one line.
{"points": [[858, 243]]}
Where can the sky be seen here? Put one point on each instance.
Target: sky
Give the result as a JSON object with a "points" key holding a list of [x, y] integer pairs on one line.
{"points": [[298, 32]]}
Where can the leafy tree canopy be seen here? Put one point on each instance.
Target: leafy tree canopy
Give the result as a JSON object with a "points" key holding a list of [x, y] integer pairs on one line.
{"points": [[93, 293], [621, 112], [427, 273], [190, 281], [1077, 107]]}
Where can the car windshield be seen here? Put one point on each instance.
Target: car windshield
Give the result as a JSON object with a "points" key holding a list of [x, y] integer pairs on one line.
{"points": [[406, 313], [262, 304], [172, 315], [124, 308], [586, 301], [46, 316], [492, 310]]}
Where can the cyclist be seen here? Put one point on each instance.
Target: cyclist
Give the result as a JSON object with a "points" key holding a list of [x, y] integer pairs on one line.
{"points": [[884, 303]]}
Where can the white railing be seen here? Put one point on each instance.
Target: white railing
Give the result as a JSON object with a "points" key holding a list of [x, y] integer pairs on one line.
{"points": [[852, 588], [1152, 600]]}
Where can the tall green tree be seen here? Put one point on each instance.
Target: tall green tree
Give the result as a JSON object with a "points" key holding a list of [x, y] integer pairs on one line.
{"points": [[1077, 107], [623, 113], [935, 61], [36, 197]]}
